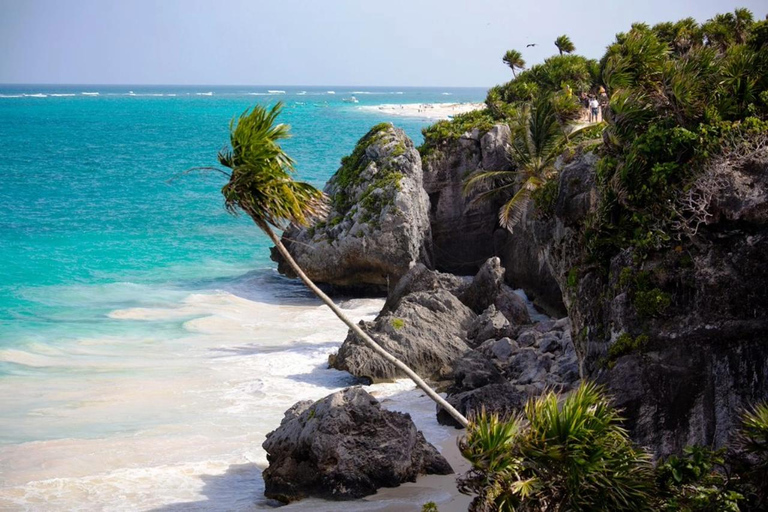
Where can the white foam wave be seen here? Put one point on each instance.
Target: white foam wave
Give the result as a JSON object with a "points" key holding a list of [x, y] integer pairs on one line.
{"points": [[11, 95], [62, 95], [301, 93], [331, 92], [209, 93], [37, 95], [192, 409], [447, 94], [259, 94], [90, 93], [277, 91]]}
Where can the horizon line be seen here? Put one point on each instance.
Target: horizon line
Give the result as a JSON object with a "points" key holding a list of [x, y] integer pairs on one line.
{"points": [[243, 85]]}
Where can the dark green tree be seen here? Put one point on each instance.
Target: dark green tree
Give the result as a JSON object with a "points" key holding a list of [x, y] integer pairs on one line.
{"points": [[514, 59], [564, 44]]}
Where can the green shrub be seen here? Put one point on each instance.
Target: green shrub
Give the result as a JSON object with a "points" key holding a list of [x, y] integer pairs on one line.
{"points": [[695, 482], [442, 131], [561, 455], [626, 344], [651, 303], [397, 323], [752, 464], [545, 197]]}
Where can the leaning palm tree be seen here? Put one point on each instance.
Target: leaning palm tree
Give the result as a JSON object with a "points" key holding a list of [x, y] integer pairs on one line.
{"points": [[564, 44], [514, 59], [537, 140], [261, 186]]}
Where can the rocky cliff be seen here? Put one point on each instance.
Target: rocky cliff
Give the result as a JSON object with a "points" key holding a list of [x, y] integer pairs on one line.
{"points": [[378, 225], [462, 230], [677, 335]]}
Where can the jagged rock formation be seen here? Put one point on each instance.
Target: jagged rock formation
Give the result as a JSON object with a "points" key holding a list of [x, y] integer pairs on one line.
{"points": [[426, 320], [345, 446], [462, 231], [378, 225], [503, 372]]}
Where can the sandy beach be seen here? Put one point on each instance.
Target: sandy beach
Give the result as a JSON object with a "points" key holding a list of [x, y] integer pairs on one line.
{"points": [[425, 110]]}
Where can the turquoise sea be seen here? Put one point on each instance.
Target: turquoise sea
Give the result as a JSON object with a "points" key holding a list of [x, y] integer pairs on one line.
{"points": [[146, 343]]}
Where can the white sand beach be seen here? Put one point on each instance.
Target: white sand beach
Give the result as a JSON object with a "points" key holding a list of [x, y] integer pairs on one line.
{"points": [[425, 110]]}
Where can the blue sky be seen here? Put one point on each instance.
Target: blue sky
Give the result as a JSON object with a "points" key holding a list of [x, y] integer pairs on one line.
{"points": [[308, 42]]}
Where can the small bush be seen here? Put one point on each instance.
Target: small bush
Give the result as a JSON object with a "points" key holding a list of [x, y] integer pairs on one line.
{"points": [[625, 344], [397, 323], [570, 455], [651, 303]]}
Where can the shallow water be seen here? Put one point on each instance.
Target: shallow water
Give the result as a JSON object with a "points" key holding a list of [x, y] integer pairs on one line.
{"points": [[146, 343]]}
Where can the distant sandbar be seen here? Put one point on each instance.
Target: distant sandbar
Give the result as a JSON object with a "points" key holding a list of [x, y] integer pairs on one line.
{"points": [[425, 110]]}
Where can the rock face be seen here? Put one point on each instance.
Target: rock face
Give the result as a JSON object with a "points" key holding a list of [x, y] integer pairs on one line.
{"points": [[426, 331], [678, 336], [343, 447], [379, 222], [462, 231], [526, 254]]}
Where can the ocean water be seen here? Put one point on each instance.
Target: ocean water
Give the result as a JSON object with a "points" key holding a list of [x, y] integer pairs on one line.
{"points": [[147, 344]]}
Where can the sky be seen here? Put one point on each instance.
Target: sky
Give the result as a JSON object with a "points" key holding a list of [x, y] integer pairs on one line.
{"points": [[309, 42]]}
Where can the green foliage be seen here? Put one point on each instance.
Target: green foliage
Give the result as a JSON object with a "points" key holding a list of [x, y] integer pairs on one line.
{"points": [[397, 323], [545, 198], [564, 45], [430, 506], [677, 92], [754, 430], [554, 74], [537, 141], [692, 483], [569, 455], [444, 131], [625, 344], [573, 278], [626, 277], [260, 182], [752, 466], [513, 59], [651, 303], [352, 167]]}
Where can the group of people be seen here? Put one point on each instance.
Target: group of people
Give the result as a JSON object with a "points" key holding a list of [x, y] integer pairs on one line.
{"points": [[595, 104]]}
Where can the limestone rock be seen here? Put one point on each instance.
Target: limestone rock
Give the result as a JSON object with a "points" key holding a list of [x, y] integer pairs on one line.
{"points": [[490, 325], [379, 221], [426, 331], [345, 446], [485, 286]]}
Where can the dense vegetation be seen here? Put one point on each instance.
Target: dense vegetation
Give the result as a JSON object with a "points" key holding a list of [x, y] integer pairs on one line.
{"points": [[573, 454], [677, 95], [681, 100]]}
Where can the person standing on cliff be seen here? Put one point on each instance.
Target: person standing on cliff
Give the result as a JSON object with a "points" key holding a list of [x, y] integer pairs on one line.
{"points": [[594, 109]]}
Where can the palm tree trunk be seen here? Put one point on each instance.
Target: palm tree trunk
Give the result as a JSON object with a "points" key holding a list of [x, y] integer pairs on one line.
{"points": [[360, 333]]}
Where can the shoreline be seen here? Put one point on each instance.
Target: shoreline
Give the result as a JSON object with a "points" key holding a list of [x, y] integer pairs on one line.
{"points": [[434, 111]]}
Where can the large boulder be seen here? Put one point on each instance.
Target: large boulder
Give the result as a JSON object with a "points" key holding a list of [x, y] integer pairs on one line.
{"points": [[343, 447], [426, 331], [462, 229], [421, 279], [378, 225]]}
